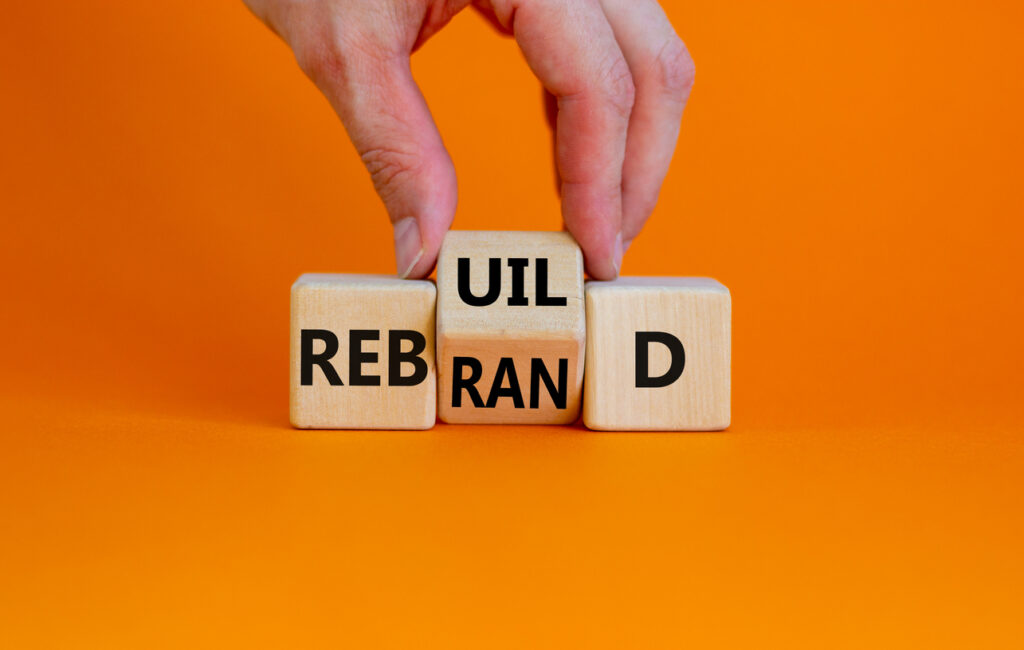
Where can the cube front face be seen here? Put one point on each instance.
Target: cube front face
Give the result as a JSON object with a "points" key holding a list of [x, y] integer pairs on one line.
{"points": [[511, 328], [362, 352], [658, 355]]}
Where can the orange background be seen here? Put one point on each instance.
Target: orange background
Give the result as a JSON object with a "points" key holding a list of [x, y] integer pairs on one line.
{"points": [[851, 170]]}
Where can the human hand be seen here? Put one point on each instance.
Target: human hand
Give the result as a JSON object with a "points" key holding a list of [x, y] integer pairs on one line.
{"points": [[617, 74]]}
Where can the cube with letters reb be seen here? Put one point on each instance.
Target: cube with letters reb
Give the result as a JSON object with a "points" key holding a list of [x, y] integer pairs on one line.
{"points": [[362, 352]]}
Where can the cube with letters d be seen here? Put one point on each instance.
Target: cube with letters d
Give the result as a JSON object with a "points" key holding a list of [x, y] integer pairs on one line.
{"points": [[658, 355]]}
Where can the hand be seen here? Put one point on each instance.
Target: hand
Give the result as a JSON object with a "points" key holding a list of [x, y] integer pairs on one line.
{"points": [[618, 75]]}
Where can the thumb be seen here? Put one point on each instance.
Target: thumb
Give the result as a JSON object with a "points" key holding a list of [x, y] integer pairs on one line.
{"points": [[390, 125]]}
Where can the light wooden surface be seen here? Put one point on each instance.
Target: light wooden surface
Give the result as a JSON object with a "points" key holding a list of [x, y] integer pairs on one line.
{"points": [[340, 303], [521, 333], [697, 312]]}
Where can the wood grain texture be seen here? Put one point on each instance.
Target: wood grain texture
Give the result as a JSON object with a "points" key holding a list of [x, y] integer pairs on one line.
{"points": [[697, 312], [341, 303], [518, 332]]}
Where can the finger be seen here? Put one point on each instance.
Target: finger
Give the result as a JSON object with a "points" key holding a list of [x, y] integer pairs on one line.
{"points": [[486, 10], [663, 73], [390, 125], [571, 48], [551, 115]]}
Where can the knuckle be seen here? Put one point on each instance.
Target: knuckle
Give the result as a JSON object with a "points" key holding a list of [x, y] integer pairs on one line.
{"points": [[673, 69], [333, 56], [320, 57], [618, 87], [389, 167], [329, 51]]}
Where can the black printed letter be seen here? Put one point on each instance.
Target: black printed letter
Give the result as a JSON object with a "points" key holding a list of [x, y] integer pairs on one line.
{"points": [[542, 287], [518, 266], [307, 359], [493, 283], [396, 357], [356, 358], [538, 371], [505, 367], [675, 348], [459, 383]]}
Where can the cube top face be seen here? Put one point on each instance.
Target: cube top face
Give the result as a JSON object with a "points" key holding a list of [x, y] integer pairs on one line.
{"points": [[658, 355], [362, 352], [511, 328], [356, 282], [562, 268], [655, 283]]}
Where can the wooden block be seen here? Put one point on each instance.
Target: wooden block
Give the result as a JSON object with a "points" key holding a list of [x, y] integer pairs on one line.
{"points": [[658, 355], [510, 328], [362, 352]]}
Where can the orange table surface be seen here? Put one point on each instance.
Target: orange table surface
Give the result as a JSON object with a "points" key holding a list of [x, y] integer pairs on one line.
{"points": [[851, 170], [141, 529]]}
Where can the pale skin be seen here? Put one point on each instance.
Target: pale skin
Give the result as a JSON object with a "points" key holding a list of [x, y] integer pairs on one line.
{"points": [[617, 75]]}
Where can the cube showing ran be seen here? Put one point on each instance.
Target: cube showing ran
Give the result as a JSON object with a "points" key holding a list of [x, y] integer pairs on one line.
{"points": [[510, 328]]}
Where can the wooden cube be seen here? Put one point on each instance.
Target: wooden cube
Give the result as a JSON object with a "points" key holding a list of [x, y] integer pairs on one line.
{"points": [[362, 352], [658, 355], [510, 328]]}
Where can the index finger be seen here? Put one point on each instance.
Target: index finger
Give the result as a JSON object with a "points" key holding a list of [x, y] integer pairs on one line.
{"points": [[572, 49]]}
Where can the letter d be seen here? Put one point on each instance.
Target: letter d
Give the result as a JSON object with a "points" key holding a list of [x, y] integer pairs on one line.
{"points": [[643, 373]]}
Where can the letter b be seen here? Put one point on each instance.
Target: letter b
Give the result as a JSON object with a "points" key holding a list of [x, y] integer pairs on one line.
{"points": [[396, 357]]}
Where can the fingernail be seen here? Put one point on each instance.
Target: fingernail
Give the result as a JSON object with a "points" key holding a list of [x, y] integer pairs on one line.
{"points": [[408, 245], [617, 255]]}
